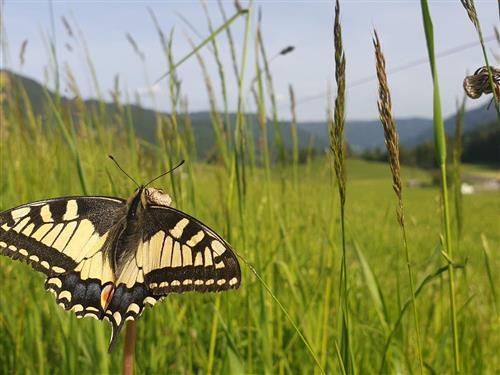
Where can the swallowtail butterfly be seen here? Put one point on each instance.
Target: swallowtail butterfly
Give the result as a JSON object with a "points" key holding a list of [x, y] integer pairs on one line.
{"points": [[107, 257]]}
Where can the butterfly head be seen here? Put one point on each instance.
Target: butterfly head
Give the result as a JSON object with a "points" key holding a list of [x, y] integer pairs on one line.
{"points": [[144, 197], [156, 197]]}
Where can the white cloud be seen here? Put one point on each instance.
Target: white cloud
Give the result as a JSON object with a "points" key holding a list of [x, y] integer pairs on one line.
{"points": [[147, 90]]}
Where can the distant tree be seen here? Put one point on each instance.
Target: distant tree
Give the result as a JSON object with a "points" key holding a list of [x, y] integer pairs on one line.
{"points": [[425, 156], [482, 146], [375, 154]]}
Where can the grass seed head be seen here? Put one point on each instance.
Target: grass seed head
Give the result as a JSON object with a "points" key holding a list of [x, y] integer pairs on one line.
{"points": [[471, 12], [135, 46], [336, 124], [72, 84], [287, 50], [292, 104], [238, 6], [22, 52], [67, 26], [384, 104]]}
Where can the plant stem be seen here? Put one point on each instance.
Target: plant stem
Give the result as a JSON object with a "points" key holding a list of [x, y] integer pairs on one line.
{"points": [[446, 213], [413, 299], [336, 127], [224, 26], [128, 353], [345, 347], [213, 335], [440, 141], [392, 143]]}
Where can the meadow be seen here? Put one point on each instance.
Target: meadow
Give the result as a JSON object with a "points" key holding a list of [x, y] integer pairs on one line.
{"points": [[283, 218]]}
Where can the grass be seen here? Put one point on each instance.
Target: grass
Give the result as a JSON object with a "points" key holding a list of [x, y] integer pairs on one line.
{"points": [[49, 336], [336, 122], [440, 149], [392, 144], [481, 170], [284, 218]]}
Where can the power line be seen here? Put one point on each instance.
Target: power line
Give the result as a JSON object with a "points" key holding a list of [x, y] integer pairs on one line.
{"points": [[400, 68]]}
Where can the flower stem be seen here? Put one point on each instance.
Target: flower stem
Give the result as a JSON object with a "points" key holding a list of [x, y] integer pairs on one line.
{"points": [[128, 353]]}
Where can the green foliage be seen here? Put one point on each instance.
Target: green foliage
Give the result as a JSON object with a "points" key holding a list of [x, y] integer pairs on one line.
{"points": [[441, 155], [480, 146]]}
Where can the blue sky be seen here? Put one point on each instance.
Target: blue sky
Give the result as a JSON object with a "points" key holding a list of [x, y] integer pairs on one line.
{"points": [[307, 25]]}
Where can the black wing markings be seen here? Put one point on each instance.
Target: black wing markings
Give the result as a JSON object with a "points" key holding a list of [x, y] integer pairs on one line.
{"points": [[39, 233], [211, 264], [195, 251], [71, 277]]}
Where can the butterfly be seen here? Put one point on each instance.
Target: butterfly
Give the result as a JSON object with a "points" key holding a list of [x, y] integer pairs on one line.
{"points": [[108, 258]]}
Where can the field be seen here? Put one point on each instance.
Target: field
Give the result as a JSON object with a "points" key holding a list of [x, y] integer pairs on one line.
{"points": [[283, 218], [291, 235]]}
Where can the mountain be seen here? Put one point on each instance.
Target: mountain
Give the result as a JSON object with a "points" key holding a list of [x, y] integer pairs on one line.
{"points": [[145, 120], [361, 134], [368, 134]]}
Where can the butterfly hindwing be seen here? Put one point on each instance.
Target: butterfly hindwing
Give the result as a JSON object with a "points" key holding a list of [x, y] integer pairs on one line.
{"points": [[180, 254]]}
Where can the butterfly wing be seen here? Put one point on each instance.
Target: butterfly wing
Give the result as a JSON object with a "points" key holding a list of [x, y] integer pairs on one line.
{"points": [[184, 254], [68, 240], [65, 239], [177, 253]]}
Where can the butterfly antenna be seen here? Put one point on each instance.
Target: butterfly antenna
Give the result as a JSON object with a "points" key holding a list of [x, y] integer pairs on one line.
{"points": [[163, 174], [121, 169]]}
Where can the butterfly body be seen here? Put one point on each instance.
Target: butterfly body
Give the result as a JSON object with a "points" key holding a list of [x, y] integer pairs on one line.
{"points": [[108, 258]]}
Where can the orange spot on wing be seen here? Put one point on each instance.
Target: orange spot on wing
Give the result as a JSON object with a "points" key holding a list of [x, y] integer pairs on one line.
{"points": [[106, 295]]}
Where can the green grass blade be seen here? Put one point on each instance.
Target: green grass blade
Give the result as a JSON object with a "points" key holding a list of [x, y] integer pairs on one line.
{"points": [[491, 278], [440, 142], [221, 28]]}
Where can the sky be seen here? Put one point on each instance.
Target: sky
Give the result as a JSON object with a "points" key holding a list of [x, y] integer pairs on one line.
{"points": [[306, 25]]}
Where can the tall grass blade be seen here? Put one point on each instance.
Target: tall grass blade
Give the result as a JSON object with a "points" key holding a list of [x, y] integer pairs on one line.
{"points": [[336, 128], [70, 140], [374, 289], [230, 39], [418, 290], [221, 28], [287, 315], [392, 144], [491, 278], [440, 144], [457, 175]]}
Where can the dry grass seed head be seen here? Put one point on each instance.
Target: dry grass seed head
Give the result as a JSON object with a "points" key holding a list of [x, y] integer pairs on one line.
{"points": [[135, 46], [471, 12], [336, 124], [67, 26], [22, 52], [390, 132]]}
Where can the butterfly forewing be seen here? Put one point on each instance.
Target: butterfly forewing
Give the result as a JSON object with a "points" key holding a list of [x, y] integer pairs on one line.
{"points": [[179, 254], [65, 239]]}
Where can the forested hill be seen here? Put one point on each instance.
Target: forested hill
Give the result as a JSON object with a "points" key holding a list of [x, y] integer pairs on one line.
{"points": [[361, 135], [145, 120]]}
